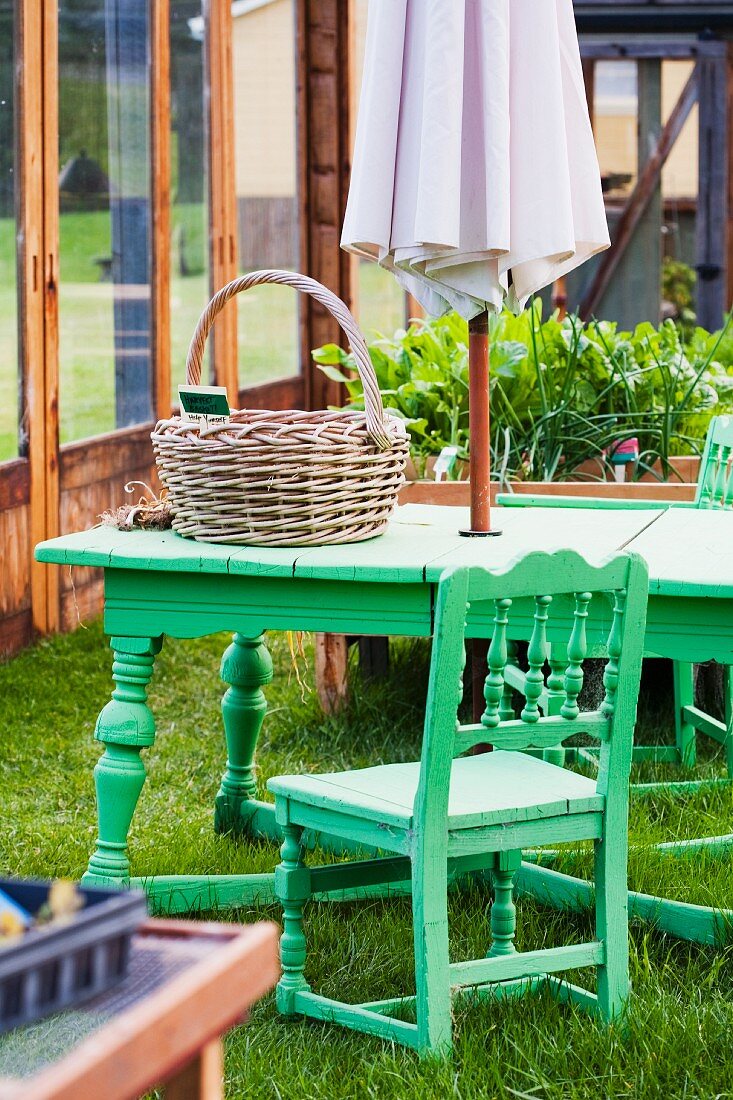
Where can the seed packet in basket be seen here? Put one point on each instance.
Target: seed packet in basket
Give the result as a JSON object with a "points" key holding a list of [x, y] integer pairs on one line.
{"points": [[206, 406], [283, 478]]}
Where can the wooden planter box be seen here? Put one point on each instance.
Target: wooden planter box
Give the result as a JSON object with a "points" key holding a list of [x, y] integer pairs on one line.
{"points": [[587, 485], [457, 492]]}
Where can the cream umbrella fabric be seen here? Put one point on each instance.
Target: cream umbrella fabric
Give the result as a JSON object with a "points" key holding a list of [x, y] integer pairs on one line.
{"points": [[474, 164]]}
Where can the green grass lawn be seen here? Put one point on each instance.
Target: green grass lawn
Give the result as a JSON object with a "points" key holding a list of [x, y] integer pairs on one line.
{"points": [[267, 331], [678, 1042]]}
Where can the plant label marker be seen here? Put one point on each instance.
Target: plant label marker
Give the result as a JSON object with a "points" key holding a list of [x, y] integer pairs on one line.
{"points": [[621, 455], [445, 462]]}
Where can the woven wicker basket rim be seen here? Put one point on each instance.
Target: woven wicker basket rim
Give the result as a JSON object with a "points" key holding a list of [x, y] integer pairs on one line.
{"points": [[373, 407]]}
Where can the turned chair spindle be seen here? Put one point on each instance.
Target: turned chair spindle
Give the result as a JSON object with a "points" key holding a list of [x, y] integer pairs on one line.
{"points": [[577, 652], [494, 686], [534, 681]]}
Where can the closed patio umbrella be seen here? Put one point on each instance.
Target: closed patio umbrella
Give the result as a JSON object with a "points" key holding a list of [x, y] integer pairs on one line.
{"points": [[475, 178]]}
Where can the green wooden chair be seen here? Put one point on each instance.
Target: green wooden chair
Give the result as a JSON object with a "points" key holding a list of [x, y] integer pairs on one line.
{"points": [[450, 813], [714, 491]]}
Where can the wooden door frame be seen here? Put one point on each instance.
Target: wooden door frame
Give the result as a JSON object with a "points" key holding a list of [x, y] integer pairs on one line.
{"points": [[38, 269], [160, 182], [38, 251], [219, 106], [324, 58], [35, 480]]}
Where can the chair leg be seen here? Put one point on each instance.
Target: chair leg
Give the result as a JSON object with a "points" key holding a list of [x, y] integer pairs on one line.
{"points": [[432, 973], [612, 918], [729, 719], [292, 886], [684, 696]]}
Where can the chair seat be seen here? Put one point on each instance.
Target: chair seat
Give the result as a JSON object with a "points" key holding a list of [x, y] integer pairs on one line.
{"points": [[493, 788]]}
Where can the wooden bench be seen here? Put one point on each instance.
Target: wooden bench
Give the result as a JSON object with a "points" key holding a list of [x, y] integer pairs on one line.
{"points": [[188, 983]]}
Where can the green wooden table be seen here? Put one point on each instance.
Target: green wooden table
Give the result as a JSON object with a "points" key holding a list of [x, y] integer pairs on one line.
{"points": [[158, 584]]}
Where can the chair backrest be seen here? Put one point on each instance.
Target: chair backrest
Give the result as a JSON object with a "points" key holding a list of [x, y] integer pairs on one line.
{"points": [[541, 597], [715, 481]]}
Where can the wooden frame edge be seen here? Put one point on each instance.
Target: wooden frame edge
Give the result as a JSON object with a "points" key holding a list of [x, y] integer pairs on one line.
{"points": [[219, 100], [729, 195], [38, 252], [30, 252], [51, 294], [323, 43], [302, 203], [165, 1026], [160, 179]]}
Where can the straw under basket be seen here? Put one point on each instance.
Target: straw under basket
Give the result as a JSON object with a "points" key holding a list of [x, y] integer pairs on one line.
{"points": [[287, 478]]}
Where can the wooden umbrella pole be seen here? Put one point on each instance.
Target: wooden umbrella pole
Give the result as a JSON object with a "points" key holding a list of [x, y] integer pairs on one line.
{"points": [[480, 475], [478, 426]]}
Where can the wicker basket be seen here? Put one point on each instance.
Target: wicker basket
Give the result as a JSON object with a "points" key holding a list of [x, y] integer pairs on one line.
{"points": [[283, 478]]}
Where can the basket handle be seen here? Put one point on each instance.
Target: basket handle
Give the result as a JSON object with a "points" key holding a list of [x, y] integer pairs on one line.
{"points": [[373, 407]]}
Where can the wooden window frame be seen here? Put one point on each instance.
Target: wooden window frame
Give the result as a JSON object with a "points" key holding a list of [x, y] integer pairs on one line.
{"points": [[160, 183], [219, 100], [714, 230], [323, 90], [37, 143]]}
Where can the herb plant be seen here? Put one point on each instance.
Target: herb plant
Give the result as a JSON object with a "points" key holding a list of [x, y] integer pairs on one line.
{"points": [[563, 392]]}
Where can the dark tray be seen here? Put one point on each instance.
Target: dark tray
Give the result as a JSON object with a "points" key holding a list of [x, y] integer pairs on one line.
{"points": [[53, 968]]}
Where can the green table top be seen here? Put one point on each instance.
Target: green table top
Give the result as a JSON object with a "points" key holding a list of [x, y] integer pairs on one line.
{"points": [[689, 552]]}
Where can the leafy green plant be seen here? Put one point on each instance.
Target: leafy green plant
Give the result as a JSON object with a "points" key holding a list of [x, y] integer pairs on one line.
{"points": [[563, 392], [423, 376], [678, 288]]}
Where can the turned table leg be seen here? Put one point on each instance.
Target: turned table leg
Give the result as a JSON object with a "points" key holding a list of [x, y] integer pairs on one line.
{"points": [[503, 911], [245, 666], [125, 726]]}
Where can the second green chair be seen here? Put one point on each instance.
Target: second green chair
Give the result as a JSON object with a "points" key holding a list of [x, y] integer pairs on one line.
{"points": [[714, 491]]}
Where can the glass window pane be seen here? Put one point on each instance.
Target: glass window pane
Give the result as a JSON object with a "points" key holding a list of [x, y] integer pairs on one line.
{"points": [[104, 193], [679, 199], [189, 187], [679, 175], [379, 301], [265, 164], [615, 125], [8, 289]]}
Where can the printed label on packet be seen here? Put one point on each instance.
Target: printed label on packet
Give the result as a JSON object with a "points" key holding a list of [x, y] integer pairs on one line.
{"points": [[206, 406]]}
